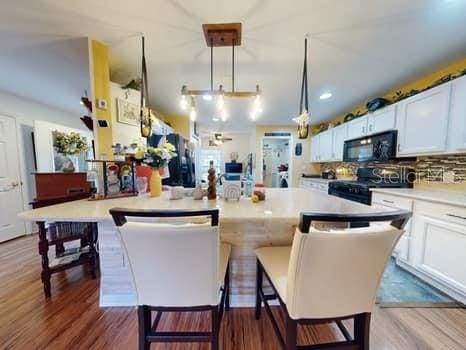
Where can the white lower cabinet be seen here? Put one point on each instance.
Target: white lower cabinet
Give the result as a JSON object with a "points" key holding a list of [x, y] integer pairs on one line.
{"points": [[313, 184], [434, 244], [439, 246], [383, 201]]}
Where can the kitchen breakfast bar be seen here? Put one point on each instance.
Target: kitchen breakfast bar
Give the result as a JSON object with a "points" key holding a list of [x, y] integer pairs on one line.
{"points": [[243, 224]]}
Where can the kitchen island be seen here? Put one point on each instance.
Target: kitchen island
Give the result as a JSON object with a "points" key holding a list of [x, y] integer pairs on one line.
{"points": [[243, 224]]}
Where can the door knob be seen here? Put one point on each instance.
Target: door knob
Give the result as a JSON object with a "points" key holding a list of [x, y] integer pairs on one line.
{"points": [[15, 184]]}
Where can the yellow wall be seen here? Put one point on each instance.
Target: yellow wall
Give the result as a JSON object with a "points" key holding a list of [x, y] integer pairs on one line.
{"points": [[301, 164], [100, 80], [418, 84], [181, 124]]}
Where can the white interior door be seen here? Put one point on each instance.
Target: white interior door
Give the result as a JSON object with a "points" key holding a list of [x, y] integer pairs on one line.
{"points": [[11, 202]]}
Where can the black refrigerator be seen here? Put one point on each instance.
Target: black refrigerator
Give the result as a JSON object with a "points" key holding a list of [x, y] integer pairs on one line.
{"points": [[181, 167]]}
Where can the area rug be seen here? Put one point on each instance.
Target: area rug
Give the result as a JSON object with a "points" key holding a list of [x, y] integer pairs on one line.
{"points": [[399, 288]]}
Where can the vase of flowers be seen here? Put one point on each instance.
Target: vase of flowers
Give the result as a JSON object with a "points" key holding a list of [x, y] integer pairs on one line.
{"points": [[157, 158], [67, 148]]}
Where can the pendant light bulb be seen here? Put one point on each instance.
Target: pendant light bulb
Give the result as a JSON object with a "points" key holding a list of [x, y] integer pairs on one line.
{"points": [[183, 102], [220, 102], [224, 115], [193, 114]]}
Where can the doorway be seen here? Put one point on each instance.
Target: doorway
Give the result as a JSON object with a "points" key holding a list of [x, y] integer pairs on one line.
{"points": [[11, 199], [276, 161]]}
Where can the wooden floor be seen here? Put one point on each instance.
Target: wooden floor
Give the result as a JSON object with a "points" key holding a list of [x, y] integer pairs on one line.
{"points": [[72, 319]]}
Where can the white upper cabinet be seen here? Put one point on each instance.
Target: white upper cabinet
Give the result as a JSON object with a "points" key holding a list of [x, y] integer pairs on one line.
{"points": [[340, 134], [315, 149], [457, 128], [326, 145], [422, 122], [357, 127], [381, 120]]}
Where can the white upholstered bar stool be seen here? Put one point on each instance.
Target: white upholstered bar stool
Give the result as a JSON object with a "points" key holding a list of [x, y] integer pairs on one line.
{"points": [[177, 267], [329, 276]]}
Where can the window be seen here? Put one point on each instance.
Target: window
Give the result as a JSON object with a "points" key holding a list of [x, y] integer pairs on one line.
{"points": [[205, 158]]}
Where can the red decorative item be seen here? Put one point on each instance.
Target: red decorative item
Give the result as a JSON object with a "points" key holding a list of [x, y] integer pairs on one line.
{"points": [[144, 171]]}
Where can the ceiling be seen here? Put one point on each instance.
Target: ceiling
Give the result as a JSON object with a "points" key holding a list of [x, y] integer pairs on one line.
{"points": [[49, 69], [359, 49]]}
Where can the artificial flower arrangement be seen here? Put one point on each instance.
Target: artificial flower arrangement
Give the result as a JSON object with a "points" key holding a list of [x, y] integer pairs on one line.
{"points": [[69, 144], [158, 157]]}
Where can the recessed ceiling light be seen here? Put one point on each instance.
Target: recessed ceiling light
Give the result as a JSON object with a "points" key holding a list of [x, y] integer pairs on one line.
{"points": [[215, 119], [325, 95], [207, 97]]}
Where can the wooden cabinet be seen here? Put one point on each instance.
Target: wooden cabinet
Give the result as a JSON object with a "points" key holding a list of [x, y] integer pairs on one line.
{"points": [[439, 246], [314, 184], [457, 127], [357, 127], [384, 201], [315, 148], [422, 122], [434, 244], [326, 146], [381, 120], [340, 134]]}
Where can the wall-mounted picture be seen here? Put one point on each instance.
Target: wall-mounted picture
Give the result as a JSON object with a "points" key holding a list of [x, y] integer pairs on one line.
{"points": [[127, 112]]}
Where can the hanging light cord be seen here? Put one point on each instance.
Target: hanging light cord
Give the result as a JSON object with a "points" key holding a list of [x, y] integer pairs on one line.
{"points": [[211, 64], [304, 102], [233, 66]]}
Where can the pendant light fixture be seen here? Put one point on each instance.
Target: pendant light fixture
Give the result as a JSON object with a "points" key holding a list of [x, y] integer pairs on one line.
{"points": [[220, 35], [303, 119], [145, 118]]}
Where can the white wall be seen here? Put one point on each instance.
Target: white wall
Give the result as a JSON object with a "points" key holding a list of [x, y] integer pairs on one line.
{"points": [[124, 134], [26, 112]]}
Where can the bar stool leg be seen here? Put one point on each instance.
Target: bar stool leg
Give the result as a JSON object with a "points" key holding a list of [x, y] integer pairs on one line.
{"points": [[215, 328], [362, 330], [144, 319], [226, 285], [259, 277], [291, 333]]}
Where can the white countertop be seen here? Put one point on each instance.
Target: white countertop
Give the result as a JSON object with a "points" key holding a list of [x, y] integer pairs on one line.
{"points": [[436, 196], [280, 204]]}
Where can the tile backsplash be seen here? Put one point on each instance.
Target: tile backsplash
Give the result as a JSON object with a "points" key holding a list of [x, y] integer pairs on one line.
{"points": [[438, 169]]}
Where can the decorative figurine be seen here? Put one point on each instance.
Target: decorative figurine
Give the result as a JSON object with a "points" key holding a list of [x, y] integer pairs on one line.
{"points": [[211, 189]]}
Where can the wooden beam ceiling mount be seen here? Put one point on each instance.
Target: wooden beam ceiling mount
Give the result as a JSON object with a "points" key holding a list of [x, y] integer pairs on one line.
{"points": [[222, 34]]}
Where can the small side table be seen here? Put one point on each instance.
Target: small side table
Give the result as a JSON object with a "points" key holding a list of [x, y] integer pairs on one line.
{"points": [[57, 234]]}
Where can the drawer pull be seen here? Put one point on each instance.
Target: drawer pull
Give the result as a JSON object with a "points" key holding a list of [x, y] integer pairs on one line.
{"points": [[387, 201], [457, 216]]}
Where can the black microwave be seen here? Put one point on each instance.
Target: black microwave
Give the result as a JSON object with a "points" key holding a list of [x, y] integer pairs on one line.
{"points": [[377, 147]]}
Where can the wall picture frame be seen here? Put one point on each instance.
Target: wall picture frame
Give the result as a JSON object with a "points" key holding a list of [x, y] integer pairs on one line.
{"points": [[127, 112]]}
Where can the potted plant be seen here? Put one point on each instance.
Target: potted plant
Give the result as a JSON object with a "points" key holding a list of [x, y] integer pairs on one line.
{"points": [[158, 158], [68, 146]]}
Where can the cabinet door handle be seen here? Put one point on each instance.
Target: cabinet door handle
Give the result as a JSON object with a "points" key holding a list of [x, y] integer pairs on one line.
{"points": [[457, 216], [363, 130], [399, 147], [370, 127], [387, 201]]}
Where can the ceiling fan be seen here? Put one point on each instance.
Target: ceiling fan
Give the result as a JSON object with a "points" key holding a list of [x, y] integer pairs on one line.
{"points": [[218, 139]]}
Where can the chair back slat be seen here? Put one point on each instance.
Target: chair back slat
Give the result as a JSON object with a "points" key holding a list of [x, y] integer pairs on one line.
{"points": [[337, 272], [173, 264]]}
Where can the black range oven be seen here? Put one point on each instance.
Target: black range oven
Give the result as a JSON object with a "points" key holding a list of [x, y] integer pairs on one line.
{"points": [[360, 190]]}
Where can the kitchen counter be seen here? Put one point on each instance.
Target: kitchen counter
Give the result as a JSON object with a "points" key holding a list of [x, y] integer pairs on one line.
{"points": [[318, 179], [280, 204], [435, 196], [243, 224]]}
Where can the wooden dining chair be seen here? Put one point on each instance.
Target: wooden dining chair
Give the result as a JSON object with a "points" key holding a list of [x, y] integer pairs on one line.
{"points": [[177, 267], [329, 276]]}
